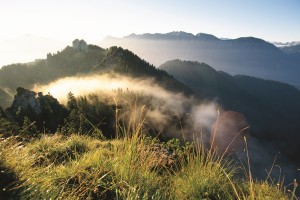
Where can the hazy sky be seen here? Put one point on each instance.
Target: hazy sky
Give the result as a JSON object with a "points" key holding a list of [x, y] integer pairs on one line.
{"points": [[272, 20]]}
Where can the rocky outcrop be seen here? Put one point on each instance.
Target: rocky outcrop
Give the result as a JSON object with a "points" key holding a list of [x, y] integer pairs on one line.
{"points": [[45, 110], [25, 99], [80, 45]]}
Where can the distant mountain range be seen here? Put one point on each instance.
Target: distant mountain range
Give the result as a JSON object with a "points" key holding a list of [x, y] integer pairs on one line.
{"points": [[246, 55], [294, 49], [286, 44], [272, 108]]}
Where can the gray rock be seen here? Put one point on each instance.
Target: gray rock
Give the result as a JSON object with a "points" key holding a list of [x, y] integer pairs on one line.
{"points": [[25, 99], [80, 45]]}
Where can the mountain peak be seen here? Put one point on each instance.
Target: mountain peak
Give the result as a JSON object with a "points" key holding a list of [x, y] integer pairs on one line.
{"points": [[181, 34], [80, 45], [250, 39], [206, 36], [255, 42], [174, 35]]}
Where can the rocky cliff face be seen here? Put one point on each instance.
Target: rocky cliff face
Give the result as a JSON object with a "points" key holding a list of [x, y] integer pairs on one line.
{"points": [[45, 110], [25, 99], [80, 45]]}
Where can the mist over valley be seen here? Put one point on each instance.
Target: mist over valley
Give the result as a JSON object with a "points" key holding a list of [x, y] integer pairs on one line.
{"points": [[183, 98], [247, 109]]}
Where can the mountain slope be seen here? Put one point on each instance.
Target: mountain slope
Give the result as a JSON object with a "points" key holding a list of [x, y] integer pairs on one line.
{"points": [[167, 99], [272, 108], [127, 63], [68, 62], [106, 77], [80, 59], [248, 55]]}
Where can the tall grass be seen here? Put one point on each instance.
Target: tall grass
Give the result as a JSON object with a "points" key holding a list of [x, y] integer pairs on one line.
{"points": [[204, 176], [83, 167]]}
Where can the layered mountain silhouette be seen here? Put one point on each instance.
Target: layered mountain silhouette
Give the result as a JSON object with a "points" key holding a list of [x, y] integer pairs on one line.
{"points": [[246, 55], [80, 58], [272, 108]]}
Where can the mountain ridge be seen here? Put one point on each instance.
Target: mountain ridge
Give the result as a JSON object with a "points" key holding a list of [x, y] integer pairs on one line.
{"points": [[174, 35], [272, 117], [82, 59], [245, 55], [272, 108]]}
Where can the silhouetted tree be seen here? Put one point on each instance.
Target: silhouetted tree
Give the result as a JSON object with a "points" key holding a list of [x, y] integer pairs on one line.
{"points": [[71, 101]]}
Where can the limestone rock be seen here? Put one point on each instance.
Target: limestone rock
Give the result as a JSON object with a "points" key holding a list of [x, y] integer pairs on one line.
{"points": [[25, 99], [80, 45]]}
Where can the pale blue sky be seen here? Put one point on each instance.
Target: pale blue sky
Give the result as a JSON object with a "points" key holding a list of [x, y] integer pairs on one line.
{"points": [[272, 20]]}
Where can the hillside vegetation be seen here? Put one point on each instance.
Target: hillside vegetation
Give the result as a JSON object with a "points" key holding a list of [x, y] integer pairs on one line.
{"points": [[133, 131], [132, 166], [80, 59]]}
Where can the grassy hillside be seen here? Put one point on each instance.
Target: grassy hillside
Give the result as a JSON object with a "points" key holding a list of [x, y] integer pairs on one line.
{"points": [[104, 145], [132, 166]]}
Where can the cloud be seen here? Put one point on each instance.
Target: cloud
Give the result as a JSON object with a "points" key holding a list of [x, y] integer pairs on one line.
{"points": [[169, 113], [162, 105], [205, 115]]}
